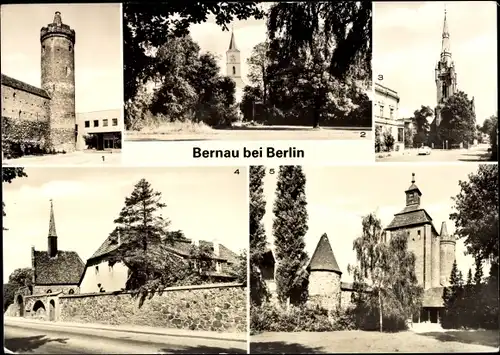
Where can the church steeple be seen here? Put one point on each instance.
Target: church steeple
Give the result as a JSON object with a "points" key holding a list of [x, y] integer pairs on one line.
{"points": [[233, 62], [413, 193], [232, 43], [445, 44], [52, 239]]}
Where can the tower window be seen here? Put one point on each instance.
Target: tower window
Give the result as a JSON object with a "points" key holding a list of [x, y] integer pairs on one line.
{"points": [[14, 95], [97, 269], [234, 70], [49, 291], [418, 233], [70, 48], [71, 291]]}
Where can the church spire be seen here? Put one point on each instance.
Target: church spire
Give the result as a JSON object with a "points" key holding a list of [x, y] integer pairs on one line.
{"points": [[413, 193], [232, 42], [52, 223], [445, 46]]}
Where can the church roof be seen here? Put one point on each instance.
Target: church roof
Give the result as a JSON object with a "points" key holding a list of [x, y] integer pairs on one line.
{"points": [[433, 297], [232, 43], [410, 216], [19, 85], [413, 186], [65, 268], [323, 257]]}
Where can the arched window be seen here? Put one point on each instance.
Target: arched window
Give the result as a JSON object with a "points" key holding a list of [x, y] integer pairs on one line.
{"points": [[71, 291], [234, 70], [49, 291]]}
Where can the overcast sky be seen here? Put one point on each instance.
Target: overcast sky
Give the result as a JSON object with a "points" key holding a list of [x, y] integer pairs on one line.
{"points": [[338, 198], [407, 45], [98, 49], [209, 203], [248, 33]]}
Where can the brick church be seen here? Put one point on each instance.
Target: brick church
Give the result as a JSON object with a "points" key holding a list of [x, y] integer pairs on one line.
{"points": [[435, 252]]}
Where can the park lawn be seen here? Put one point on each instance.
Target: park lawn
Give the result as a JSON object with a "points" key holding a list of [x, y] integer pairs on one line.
{"points": [[368, 342]]}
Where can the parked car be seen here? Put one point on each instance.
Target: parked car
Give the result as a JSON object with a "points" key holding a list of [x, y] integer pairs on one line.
{"points": [[424, 150]]}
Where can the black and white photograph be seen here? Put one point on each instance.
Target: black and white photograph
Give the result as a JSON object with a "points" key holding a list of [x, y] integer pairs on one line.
{"points": [[246, 71], [62, 84], [374, 259], [125, 260], [436, 83]]}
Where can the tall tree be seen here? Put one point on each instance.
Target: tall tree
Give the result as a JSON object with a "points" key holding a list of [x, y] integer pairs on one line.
{"points": [[420, 120], [258, 63], [476, 216], [8, 175], [258, 245], [21, 278], [458, 120], [147, 26], [289, 229], [478, 272], [450, 296]]}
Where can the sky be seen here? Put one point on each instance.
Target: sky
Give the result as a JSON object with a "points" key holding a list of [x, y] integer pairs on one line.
{"points": [[209, 203], [339, 197], [407, 46], [98, 49], [248, 33]]}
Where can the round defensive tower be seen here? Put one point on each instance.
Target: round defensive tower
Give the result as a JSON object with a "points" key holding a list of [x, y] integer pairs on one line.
{"points": [[58, 80], [446, 255]]}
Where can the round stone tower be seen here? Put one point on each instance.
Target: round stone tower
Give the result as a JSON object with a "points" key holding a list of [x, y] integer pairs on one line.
{"points": [[446, 255], [58, 80]]}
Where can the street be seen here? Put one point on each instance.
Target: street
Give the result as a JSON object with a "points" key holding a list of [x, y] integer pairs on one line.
{"points": [[52, 338], [474, 154]]}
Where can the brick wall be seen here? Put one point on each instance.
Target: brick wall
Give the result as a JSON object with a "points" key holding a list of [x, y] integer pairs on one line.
{"points": [[346, 299], [324, 289], [55, 288], [217, 307], [18, 104]]}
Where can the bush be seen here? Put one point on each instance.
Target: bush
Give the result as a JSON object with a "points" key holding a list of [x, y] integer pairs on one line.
{"points": [[272, 318]]}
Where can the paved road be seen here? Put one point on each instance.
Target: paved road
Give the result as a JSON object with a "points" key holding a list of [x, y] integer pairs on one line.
{"points": [[259, 133], [54, 339], [77, 158], [474, 154]]}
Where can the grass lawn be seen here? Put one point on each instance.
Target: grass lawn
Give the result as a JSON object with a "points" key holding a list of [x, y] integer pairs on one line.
{"points": [[372, 342]]}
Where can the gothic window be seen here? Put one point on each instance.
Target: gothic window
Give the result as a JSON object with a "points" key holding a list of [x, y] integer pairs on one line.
{"points": [[71, 291], [49, 291], [14, 95], [418, 233], [70, 48], [97, 269], [234, 70]]}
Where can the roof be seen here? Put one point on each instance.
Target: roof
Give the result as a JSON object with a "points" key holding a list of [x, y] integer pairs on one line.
{"points": [[232, 43], [433, 297], [410, 216], [414, 187], [65, 268], [323, 258], [19, 85]]}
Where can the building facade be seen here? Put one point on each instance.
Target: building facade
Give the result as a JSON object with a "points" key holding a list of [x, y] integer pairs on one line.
{"points": [[100, 129], [54, 102], [434, 252], [386, 114]]}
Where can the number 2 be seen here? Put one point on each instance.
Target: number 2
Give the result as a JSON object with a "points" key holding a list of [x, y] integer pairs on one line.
{"points": [[362, 134]]}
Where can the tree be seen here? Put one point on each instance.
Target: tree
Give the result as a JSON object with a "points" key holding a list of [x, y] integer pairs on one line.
{"points": [[493, 135], [8, 175], [21, 278], [241, 269], [450, 296], [388, 140], [409, 134], [378, 140], [258, 245], [289, 229], [150, 26], [458, 120], [258, 63], [476, 216], [420, 121], [389, 268], [144, 241], [478, 272]]}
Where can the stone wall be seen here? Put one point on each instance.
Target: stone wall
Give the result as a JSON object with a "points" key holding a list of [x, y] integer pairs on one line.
{"points": [[346, 299], [217, 307], [21, 105], [324, 289], [65, 289]]}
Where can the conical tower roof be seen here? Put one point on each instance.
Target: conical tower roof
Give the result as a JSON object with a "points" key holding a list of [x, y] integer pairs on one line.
{"points": [[323, 258], [444, 233], [232, 43], [52, 222]]}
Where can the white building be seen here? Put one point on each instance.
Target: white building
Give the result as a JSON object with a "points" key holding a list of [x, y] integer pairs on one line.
{"points": [[106, 126], [386, 114]]}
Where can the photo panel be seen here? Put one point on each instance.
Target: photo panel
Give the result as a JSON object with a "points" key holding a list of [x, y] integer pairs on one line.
{"points": [[429, 105], [62, 84], [125, 260], [361, 259], [243, 82]]}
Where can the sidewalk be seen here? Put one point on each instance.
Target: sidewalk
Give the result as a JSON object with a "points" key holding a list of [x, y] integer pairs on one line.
{"points": [[241, 337]]}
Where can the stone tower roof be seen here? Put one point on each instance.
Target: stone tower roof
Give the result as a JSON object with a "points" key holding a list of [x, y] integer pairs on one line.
{"points": [[444, 233], [323, 258], [57, 28], [232, 43], [52, 223]]}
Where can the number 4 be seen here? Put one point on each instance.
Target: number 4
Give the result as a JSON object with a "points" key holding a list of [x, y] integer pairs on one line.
{"points": [[237, 171]]}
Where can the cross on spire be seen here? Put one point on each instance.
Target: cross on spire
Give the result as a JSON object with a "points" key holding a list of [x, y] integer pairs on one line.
{"points": [[412, 178]]}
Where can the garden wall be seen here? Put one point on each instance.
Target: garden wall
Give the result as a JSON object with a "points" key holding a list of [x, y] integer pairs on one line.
{"points": [[216, 307]]}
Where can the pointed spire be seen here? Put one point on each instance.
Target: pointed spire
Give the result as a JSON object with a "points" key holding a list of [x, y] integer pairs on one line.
{"points": [[57, 18], [232, 43], [52, 223], [445, 46], [444, 230]]}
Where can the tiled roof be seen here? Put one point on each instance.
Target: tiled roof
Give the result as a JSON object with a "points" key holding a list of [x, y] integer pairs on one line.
{"points": [[413, 187], [323, 258], [433, 297], [65, 268], [405, 219], [16, 84]]}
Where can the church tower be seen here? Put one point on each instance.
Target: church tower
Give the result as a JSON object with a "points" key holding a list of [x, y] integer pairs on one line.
{"points": [[52, 239], [58, 80], [445, 75], [233, 63]]}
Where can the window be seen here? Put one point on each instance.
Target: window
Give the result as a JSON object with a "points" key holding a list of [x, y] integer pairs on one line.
{"points": [[418, 233], [14, 95], [400, 135], [105, 122], [234, 70], [381, 107], [49, 291], [96, 123], [71, 291], [115, 121], [70, 48], [391, 112], [97, 269], [87, 124]]}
